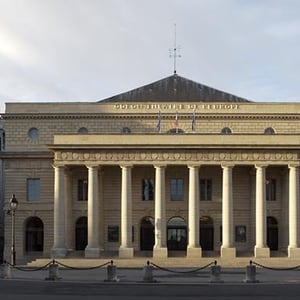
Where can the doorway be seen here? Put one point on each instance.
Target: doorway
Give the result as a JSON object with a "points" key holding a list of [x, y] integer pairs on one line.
{"points": [[147, 234], [272, 233], [177, 234], [34, 235], [206, 233], [81, 234]]}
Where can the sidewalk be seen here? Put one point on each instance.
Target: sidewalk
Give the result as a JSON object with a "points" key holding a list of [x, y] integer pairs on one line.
{"points": [[169, 276]]}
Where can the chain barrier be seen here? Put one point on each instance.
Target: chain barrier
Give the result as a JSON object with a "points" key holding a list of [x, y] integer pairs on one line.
{"points": [[29, 269], [89, 268], [183, 272], [274, 269], [32, 269]]}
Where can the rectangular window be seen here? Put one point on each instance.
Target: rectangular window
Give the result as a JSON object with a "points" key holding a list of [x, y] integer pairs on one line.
{"points": [[177, 189], [240, 234], [82, 190], [33, 189], [113, 233], [271, 189], [205, 189], [148, 189]]}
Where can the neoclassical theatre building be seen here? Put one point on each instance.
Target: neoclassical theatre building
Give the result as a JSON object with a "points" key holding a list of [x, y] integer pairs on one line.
{"points": [[173, 166]]}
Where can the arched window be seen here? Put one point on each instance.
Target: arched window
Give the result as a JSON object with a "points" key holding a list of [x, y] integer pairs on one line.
{"points": [[177, 234], [34, 235], [269, 130], [226, 130], [81, 233], [126, 130], [82, 130]]}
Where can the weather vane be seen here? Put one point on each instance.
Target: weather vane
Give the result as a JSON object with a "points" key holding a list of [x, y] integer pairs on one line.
{"points": [[173, 52]]}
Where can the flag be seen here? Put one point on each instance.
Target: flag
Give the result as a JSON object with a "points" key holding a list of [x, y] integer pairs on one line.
{"points": [[176, 122], [193, 121], [159, 122]]}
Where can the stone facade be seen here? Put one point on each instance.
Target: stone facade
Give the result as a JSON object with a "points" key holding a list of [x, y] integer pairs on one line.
{"points": [[240, 187]]}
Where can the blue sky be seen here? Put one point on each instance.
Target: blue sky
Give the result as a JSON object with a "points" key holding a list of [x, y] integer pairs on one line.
{"points": [[88, 50]]}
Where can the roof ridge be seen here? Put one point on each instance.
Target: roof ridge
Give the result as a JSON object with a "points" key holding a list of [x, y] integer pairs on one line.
{"points": [[175, 88]]}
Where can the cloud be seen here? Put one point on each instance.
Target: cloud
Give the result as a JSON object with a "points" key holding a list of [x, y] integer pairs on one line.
{"points": [[89, 50]]}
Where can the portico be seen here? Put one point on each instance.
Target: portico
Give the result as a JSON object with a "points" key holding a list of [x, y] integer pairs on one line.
{"points": [[192, 161]]}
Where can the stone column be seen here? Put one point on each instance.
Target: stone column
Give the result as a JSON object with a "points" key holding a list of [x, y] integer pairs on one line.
{"points": [[69, 227], [160, 248], [227, 249], [59, 248], [126, 250], [293, 249], [92, 250], [261, 249], [194, 249]]}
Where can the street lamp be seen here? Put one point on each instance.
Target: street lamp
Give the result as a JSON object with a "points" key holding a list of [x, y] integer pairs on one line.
{"points": [[13, 204]]}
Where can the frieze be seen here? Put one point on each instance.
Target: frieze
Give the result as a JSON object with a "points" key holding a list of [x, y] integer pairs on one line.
{"points": [[175, 156]]}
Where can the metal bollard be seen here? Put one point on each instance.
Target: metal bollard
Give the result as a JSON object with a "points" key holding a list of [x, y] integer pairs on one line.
{"points": [[215, 273], [251, 273], [53, 271], [148, 273], [5, 271], [112, 273]]}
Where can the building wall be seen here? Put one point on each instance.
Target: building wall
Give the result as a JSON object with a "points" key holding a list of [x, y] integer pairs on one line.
{"points": [[23, 161]]}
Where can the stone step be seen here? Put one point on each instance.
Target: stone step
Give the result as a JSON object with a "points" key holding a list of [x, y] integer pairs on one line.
{"points": [[173, 262]]}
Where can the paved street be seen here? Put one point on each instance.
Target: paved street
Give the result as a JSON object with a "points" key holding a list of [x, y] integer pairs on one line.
{"points": [[76, 284], [15, 289]]}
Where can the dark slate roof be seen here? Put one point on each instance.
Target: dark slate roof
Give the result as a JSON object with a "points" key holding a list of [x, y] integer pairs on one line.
{"points": [[175, 89]]}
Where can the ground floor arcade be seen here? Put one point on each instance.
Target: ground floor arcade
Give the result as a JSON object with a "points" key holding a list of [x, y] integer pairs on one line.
{"points": [[246, 209]]}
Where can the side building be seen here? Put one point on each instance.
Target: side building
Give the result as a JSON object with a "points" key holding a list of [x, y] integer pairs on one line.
{"points": [[2, 144], [171, 166]]}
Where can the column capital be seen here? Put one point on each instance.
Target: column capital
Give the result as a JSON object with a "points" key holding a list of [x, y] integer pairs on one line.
{"points": [[262, 166], [157, 166], [227, 165], [190, 166], [293, 165], [91, 166], [126, 166], [58, 166]]}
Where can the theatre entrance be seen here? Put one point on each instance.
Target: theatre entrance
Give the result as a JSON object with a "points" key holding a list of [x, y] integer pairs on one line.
{"points": [[206, 233]]}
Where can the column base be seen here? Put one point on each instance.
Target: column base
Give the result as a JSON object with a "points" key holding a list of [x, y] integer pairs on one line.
{"points": [[193, 252], [91, 252], [58, 252], [261, 252], [160, 252], [126, 252], [293, 252], [228, 253]]}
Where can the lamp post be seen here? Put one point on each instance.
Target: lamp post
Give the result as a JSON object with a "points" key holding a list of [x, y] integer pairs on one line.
{"points": [[13, 204]]}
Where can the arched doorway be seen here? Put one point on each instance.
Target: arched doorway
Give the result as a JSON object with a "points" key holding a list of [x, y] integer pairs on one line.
{"points": [[81, 233], [147, 234], [177, 237], [207, 233], [34, 235], [272, 233]]}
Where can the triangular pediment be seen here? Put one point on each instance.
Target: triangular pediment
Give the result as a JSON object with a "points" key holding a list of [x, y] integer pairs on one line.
{"points": [[175, 89]]}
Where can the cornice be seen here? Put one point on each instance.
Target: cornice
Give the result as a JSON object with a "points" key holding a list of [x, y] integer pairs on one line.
{"points": [[145, 116]]}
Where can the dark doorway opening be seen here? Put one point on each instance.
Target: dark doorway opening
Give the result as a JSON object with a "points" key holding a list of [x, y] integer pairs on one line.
{"points": [[272, 233], [177, 234], [34, 236], [147, 234], [206, 233], [81, 233]]}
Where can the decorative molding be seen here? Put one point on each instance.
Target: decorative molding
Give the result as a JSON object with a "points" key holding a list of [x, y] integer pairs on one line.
{"points": [[163, 157], [153, 116]]}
